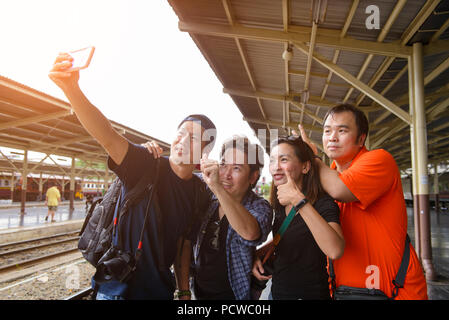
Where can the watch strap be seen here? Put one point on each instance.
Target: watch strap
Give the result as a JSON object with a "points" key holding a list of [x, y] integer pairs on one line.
{"points": [[301, 204]]}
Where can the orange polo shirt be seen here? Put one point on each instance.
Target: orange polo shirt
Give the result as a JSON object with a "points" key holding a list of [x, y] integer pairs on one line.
{"points": [[375, 227]]}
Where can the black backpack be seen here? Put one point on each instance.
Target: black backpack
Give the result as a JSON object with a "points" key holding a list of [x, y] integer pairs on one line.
{"points": [[96, 232]]}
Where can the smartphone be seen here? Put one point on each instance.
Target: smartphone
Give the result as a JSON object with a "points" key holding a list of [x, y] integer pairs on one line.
{"points": [[81, 58]]}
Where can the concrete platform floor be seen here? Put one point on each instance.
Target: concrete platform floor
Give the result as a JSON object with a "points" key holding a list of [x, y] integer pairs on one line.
{"points": [[35, 213], [437, 290]]}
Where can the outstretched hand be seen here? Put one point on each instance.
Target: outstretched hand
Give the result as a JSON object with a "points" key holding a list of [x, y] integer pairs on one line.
{"points": [[59, 73]]}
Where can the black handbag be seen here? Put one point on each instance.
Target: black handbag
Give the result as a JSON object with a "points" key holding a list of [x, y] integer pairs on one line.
{"points": [[354, 293]]}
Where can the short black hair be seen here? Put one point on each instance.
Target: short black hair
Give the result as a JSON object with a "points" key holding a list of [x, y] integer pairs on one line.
{"points": [[207, 124], [243, 144], [360, 119]]}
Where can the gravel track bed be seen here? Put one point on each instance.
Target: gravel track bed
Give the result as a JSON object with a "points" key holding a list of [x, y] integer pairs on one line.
{"points": [[56, 283], [35, 253], [37, 242]]}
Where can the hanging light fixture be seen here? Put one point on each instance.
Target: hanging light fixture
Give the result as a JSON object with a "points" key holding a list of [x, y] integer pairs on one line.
{"points": [[287, 55]]}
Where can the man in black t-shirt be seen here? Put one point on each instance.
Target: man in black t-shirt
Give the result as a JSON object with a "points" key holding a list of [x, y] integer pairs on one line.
{"points": [[176, 195]]}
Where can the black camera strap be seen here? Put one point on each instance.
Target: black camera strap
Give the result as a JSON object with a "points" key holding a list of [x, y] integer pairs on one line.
{"points": [[130, 198], [398, 281], [152, 189]]}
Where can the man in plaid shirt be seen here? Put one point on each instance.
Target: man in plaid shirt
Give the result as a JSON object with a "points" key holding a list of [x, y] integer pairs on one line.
{"points": [[236, 221]]}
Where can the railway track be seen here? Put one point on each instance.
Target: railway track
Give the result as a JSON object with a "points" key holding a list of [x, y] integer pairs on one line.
{"points": [[21, 254], [25, 242], [80, 295]]}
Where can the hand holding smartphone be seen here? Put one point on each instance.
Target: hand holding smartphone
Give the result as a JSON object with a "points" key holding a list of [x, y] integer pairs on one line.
{"points": [[81, 58]]}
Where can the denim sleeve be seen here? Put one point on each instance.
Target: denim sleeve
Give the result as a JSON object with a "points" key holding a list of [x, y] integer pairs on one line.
{"points": [[262, 211]]}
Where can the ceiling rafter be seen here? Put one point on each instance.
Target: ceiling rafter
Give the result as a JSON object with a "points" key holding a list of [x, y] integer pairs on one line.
{"points": [[232, 22], [358, 84], [417, 22], [34, 119], [325, 37], [385, 29]]}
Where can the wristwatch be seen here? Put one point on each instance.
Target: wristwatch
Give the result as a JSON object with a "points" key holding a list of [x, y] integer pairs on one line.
{"points": [[301, 204]]}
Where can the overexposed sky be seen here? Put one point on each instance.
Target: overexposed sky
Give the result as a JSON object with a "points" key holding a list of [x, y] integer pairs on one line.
{"points": [[145, 73]]}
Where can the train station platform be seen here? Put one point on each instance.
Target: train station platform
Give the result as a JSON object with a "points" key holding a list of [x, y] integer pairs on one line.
{"points": [[34, 222], [35, 213], [437, 290]]}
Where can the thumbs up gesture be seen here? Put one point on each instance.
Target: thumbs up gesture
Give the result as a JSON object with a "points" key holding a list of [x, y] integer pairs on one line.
{"points": [[289, 193]]}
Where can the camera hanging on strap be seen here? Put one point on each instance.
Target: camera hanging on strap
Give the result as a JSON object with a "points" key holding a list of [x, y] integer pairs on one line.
{"points": [[116, 263]]}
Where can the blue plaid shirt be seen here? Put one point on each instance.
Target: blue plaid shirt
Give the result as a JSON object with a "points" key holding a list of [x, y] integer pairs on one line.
{"points": [[240, 252]]}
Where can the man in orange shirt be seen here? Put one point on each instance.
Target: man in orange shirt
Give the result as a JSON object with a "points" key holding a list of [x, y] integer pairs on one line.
{"points": [[368, 190]]}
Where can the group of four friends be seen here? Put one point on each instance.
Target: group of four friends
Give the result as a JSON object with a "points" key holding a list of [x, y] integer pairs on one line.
{"points": [[352, 213]]}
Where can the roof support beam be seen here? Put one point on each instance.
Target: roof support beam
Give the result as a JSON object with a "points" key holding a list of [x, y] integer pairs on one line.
{"points": [[420, 18], [348, 21], [437, 34], [436, 47], [293, 126], [437, 71], [325, 37], [231, 20], [357, 84], [277, 97], [391, 19], [35, 119], [431, 76]]}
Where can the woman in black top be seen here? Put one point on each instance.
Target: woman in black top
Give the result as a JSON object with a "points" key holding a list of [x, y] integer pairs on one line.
{"points": [[299, 268]]}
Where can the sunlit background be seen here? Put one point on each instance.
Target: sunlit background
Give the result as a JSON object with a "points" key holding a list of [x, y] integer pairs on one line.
{"points": [[145, 73]]}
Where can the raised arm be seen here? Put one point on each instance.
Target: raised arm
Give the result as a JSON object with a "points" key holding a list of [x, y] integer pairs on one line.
{"points": [[96, 124], [240, 219], [333, 185]]}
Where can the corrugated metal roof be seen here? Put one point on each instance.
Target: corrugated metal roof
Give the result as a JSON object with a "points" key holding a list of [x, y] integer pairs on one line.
{"points": [[38, 122], [263, 29]]}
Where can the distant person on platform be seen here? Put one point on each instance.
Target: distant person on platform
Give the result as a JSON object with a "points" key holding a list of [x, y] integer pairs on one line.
{"points": [[52, 199]]}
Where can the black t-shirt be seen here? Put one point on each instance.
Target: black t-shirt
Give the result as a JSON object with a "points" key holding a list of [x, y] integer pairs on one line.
{"points": [[300, 265], [176, 199], [211, 278]]}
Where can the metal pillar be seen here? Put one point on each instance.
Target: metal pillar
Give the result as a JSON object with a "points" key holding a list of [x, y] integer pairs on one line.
{"points": [[414, 180], [422, 177], [436, 188], [72, 188], [12, 186], [106, 178], [41, 186], [24, 186], [62, 188]]}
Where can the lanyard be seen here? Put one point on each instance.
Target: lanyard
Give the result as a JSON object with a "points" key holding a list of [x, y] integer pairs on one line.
{"points": [[284, 226]]}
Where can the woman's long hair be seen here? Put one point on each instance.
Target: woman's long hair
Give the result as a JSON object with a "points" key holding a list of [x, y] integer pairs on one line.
{"points": [[311, 185]]}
